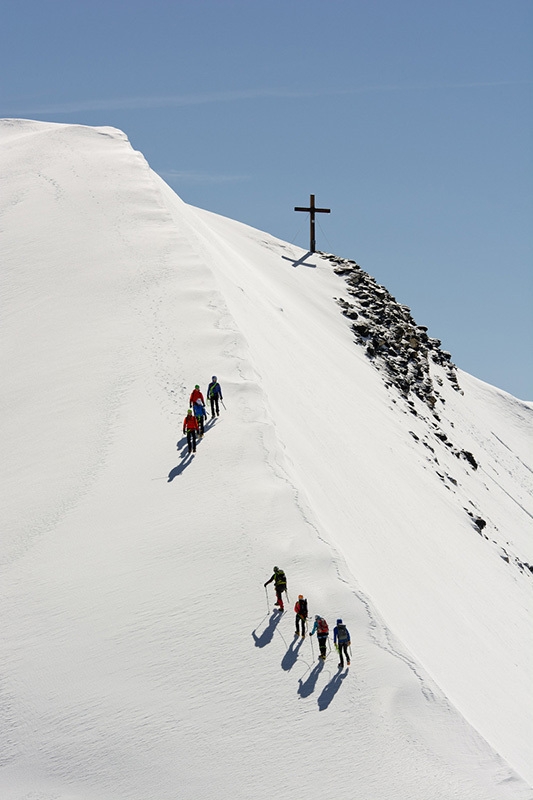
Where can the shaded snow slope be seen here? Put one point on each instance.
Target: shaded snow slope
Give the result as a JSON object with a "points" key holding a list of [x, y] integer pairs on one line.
{"points": [[141, 657]]}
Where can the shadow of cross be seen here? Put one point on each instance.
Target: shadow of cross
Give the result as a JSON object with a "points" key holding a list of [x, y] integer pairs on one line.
{"points": [[312, 211]]}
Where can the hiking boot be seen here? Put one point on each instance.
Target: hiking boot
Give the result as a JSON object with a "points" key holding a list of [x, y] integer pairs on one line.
{"points": [[347, 663]]}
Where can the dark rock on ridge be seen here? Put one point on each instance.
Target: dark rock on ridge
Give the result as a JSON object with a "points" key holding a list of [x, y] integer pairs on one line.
{"points": [[399, 347]]}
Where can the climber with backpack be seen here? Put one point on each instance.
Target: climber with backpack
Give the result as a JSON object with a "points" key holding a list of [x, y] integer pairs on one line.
{"points": [[280, 586], [197, 403], [341, 638], [214, 394], [190, 427], [300, 609], [322, 633]]}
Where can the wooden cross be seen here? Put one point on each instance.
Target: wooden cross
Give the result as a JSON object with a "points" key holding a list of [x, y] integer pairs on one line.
{"points": [[312, 211]]}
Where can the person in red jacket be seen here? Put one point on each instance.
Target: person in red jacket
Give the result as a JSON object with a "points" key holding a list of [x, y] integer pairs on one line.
{"points": [[197, 403], [195, 396], [300, 609], [190, 426]]}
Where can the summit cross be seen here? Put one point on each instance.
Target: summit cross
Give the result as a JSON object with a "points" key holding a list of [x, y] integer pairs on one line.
{"points": [[312, 211]]}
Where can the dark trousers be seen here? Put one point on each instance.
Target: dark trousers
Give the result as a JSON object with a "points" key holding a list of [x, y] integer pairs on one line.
{"points": [[299, 620], [343, 651], [279, 595], [322, 644], [191, 440], [214, 404]]}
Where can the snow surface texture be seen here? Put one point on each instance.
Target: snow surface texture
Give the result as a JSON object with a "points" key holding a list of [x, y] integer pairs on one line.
{"points": [[141, 655]]}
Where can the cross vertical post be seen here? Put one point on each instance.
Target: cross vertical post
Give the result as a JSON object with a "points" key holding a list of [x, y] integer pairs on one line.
{"points": [[312, 210]]}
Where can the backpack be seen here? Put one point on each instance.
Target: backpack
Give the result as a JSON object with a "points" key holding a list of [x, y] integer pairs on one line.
{"points": [[303, 609], [342, 633], [322, 627], [280, 579]]}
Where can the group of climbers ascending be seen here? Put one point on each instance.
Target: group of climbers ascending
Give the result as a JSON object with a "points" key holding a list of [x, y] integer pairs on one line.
{"points": [[194, 421], [341, 634]]}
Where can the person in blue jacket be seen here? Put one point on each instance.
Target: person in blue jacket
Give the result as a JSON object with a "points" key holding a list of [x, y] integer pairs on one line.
{"points": [[341, 637], [214, 394]]}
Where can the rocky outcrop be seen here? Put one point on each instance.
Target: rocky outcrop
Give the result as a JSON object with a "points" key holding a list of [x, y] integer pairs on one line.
{"points": [[400, 348], [403, 353]]}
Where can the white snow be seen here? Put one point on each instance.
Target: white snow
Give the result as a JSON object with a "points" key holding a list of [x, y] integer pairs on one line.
{"points": [[141, 658]]}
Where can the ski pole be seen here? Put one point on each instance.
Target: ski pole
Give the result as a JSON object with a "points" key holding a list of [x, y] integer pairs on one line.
{"points": [[221, 400], [312, 648], [266, 595], [288, 598]]}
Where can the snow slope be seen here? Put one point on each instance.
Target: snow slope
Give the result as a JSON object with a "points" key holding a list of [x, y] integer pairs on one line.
{"points": [[141, 657]]}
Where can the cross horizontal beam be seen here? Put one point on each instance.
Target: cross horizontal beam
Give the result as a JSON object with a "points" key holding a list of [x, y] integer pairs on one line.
{"points": [[312, 211]]}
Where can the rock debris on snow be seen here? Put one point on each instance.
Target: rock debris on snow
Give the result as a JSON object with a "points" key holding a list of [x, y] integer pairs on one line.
{"points": [[399, 347]]}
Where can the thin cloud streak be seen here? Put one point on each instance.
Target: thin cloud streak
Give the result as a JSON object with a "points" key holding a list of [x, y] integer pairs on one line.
{"points": [[177, 101], [182, 101]]}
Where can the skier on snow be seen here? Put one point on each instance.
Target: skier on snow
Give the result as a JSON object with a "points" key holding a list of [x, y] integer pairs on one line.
{"points": [[341, 636], [322, 633], [280, 586], [214, 393], [300, 609], [190, 426], [197, 402]]}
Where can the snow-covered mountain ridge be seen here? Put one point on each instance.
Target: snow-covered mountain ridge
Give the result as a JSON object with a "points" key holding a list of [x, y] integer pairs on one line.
{"points": [[140, 650], [403, 351]]}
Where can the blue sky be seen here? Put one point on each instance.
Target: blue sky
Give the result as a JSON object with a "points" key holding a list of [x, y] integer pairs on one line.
{"points": [[411, 120]]}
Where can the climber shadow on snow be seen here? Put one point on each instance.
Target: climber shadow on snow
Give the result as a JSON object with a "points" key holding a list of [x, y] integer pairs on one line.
{"points": [[268, 634], [186, 459], [291, 656], [300, 262], [330, 690], [175, 471], [305, 688]]}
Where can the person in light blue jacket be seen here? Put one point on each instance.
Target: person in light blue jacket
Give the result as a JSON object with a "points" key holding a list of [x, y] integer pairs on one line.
{"points": [[200, 414], [322, 632]]}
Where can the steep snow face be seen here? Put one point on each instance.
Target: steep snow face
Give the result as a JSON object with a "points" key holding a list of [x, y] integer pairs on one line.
{"points": [[142, 657], [391, 485]]}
